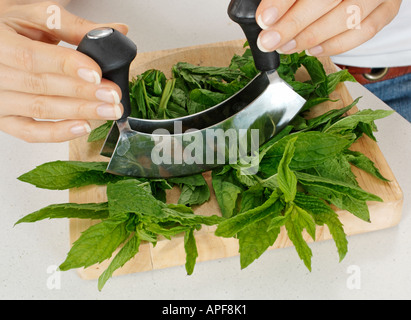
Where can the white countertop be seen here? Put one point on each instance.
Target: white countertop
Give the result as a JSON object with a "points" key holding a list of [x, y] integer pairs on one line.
{"points": [[27, 251]]}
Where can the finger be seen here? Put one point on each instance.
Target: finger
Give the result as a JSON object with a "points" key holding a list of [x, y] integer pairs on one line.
{"points": [[33, 131], [270, 11], [59, 23], [300, 16], [21, 53], [49, 107], [348, 15], [57, 85], [355, 37]]}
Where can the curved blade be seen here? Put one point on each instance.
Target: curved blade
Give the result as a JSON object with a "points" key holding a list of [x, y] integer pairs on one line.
{"points": [[227, 133]]}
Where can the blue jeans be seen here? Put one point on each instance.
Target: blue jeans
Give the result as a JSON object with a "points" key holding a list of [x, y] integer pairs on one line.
{"points": [[396, 93]]}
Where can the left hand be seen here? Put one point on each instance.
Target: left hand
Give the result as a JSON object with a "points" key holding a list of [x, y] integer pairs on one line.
{"points": [[321, 27]]}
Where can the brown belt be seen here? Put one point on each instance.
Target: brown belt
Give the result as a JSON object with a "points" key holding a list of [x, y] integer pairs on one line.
{"points": [[369, 75]]}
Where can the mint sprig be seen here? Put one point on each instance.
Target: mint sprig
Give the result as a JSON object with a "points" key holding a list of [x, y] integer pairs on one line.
{"points": [[302, 170]]}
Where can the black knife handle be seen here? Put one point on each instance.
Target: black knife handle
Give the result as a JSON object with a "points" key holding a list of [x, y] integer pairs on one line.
{"points": [[114, 53], [243, 12]]}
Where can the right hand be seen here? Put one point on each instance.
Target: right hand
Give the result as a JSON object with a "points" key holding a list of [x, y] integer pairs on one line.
{"points": [[42, 81]]}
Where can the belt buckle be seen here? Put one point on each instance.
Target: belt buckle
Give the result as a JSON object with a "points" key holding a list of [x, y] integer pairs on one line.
{"points": [[376, 75]]}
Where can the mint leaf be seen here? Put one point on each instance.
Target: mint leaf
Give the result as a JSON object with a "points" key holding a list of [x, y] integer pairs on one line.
{"points": [[311, 149], [101, 132], [335, 78], [328, 117], [127, 253], [318, 75], [70, 211], [254, 240], [97, 243], [61, 175], [190, 248], [230, 227], [338, 169], [294, 231], [305, 220], [342, 195], [194, 190], [186, 217], [128, 196], [323, 214], [351, 122], [166, 232], [362, 162], [227, 191], [286, 179]]}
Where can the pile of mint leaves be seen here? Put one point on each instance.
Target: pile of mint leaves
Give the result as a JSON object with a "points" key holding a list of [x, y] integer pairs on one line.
{"points": [[303, 170]]}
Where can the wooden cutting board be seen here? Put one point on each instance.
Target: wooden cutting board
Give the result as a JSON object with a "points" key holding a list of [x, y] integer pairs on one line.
{"points": [[171, 253]]}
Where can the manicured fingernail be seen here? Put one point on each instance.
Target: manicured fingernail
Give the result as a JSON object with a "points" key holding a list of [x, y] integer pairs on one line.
{"points": [[315, 51], [291, 45], [89, 75], [108, 95], [109, 111], [267, 18], [80, 130], [268, 41]]}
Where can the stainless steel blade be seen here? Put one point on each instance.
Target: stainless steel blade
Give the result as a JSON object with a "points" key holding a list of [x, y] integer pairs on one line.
{"points": [[225, 133]]}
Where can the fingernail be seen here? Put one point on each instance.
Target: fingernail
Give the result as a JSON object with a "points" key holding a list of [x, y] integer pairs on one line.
{"points": [[109, 111], [89, 75], [122, 25], [268, 41], [288, 47], [267, 18], [81, 130], [315, 51], [108, 95]]}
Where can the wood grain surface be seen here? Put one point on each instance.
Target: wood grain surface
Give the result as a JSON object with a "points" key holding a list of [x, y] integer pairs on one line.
{"points": [[171, 253]]}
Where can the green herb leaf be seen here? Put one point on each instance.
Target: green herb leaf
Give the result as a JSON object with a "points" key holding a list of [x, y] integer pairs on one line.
{"points": [[97, 243], [61, 175], [101, 132], [254, 240], [341, 194], [186, 217], [323, 214], [362, 162], [335, 78], [194, 190], [128, 196], [127, 253], [351, 122], [230, 227], [190, 247], [227, 191], [70, 211], [294, 229], [311, 149], [287, 180]]}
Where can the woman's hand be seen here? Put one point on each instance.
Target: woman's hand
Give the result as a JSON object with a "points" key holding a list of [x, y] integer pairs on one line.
{"points": [[42, 81], [322, 27]]}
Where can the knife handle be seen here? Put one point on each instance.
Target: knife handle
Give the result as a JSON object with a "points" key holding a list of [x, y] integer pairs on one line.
{"points": [[243, 12], [114, 53]]}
